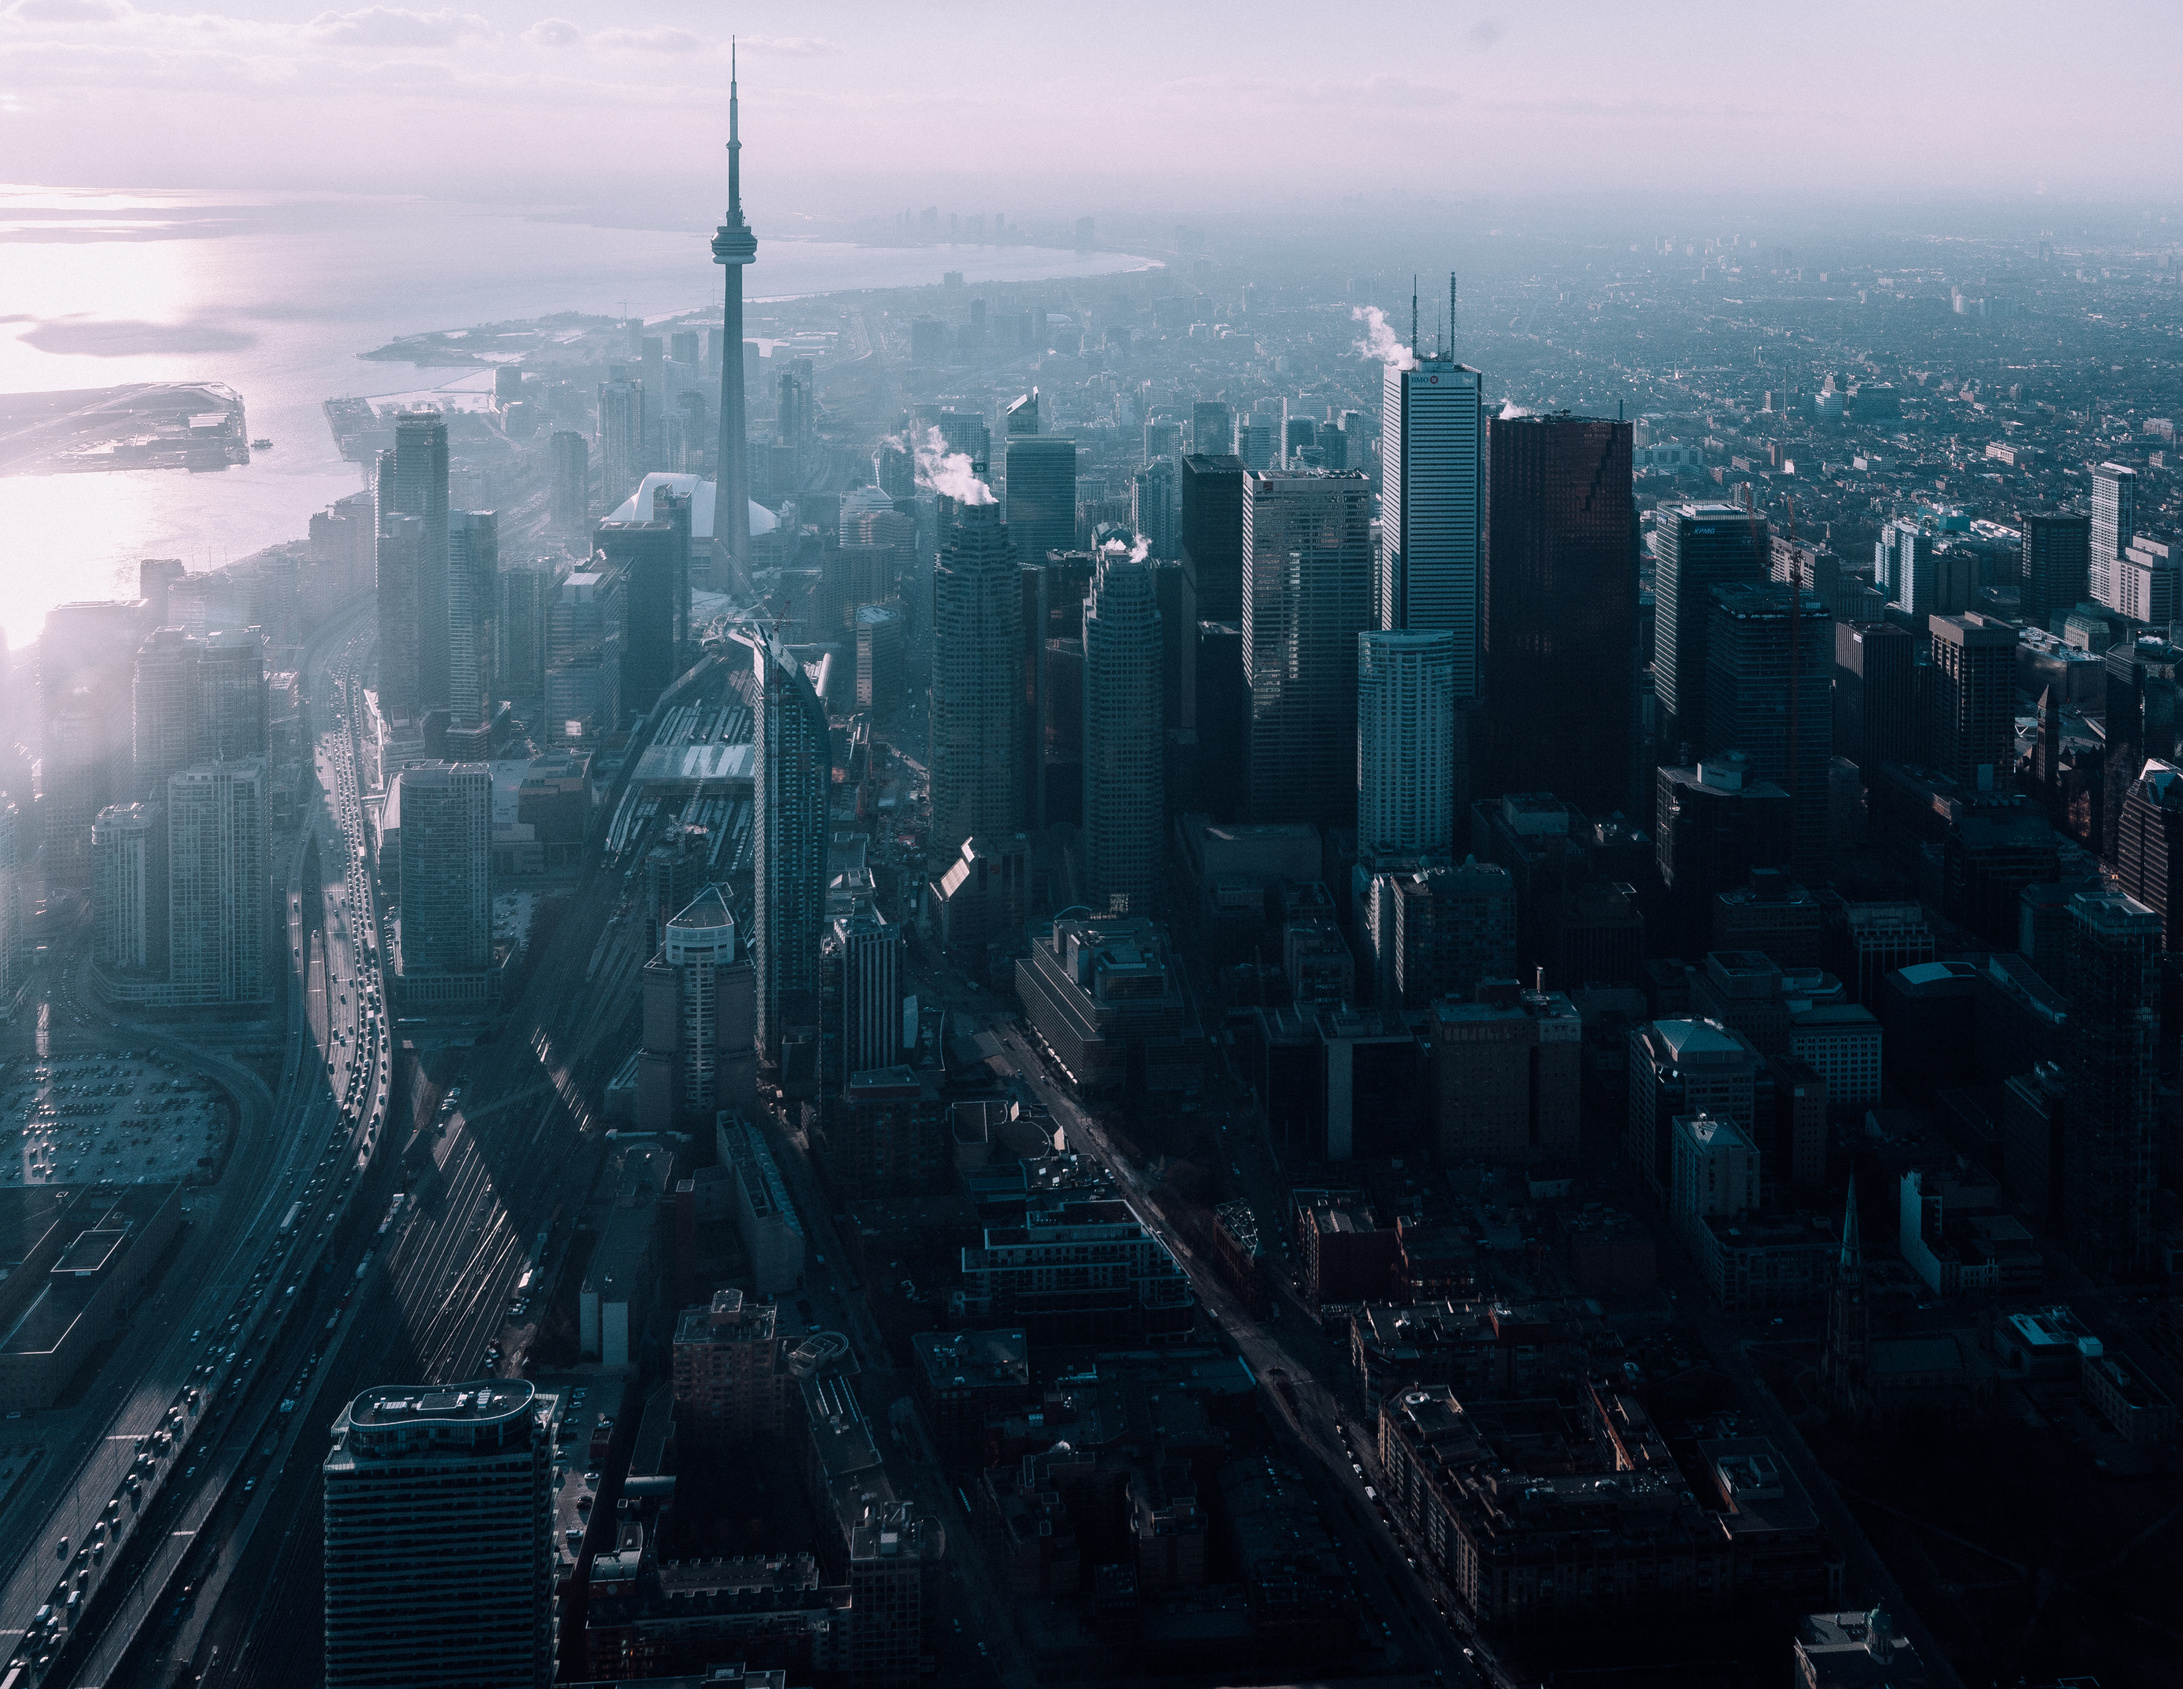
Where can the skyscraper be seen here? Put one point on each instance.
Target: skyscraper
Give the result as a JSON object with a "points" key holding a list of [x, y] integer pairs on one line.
{"points": [[1432, 505], [1041, 494], [1124, 738], [734, 246], [439, 1552], [1560, 614], [1405, 743], [867, 948], [218, 909], [232, 690], [1696, 547], [570, 454], [166, 708], [2114, 525], [977, 686], [2056, 573], [1152, 507], [1875, 672], [129, 888], [400, 548], [622, 423], [1769, 679], [1974, 701], [83, 674], [473, 581], [446, 861], [420, 490], [525, 591], [788, 834], [713, 997], [654, 555], [1212, 429], [1307, 539], [1022, 414], [1211, 533], [2109, 1149]]}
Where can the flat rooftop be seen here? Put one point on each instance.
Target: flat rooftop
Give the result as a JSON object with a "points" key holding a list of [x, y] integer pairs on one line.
{"points": [[474, 1404]]}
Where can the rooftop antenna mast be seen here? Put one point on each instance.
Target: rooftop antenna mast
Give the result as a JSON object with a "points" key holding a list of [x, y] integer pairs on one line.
{"points": [[1413, 319], [1451, 313]]}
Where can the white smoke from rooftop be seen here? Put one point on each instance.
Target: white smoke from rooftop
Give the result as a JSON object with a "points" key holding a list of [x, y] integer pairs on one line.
{"points": [[1511, 408], [1136, 551], [942, 471], [1380, 340]]}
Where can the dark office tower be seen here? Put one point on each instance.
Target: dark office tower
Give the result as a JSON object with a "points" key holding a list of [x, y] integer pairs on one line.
{"points": [[446, 860], [1973, 685], [1712, 825], [401, 540], [1308, 541], [1223, 722], [520, 662], [473, 581], [439, 1538], [1560, 603], [1696, 547], [166, 709], [2057, 561], [1053, 597], [2149, 847], [1769, 680], [1432, 505], [977, 686], [84, 672], [788, 837], [232, 707], [155, 578], [1211, 532], [2108, 1152], [1041, 494], [734, 246], [1875, 669], [420, 490], [1022, 414], [1125, 800], [654, 557]]}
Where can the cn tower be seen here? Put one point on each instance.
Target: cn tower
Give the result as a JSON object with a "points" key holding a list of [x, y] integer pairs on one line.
{"points": [[733, 247]]}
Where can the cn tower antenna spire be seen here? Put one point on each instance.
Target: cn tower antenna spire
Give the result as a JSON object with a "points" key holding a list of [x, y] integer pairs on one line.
{"points": [[735, 143], [733, 247]]}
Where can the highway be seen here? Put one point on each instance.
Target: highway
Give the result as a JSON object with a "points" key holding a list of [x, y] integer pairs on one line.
{"points": [[214, 1334], [492, 1146]]}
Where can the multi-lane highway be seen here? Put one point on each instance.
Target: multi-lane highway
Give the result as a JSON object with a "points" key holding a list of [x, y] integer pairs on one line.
{"points": [[127, 1516]]}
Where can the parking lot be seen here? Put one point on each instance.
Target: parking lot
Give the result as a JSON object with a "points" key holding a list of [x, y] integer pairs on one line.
{"points": [[132, 1118]]}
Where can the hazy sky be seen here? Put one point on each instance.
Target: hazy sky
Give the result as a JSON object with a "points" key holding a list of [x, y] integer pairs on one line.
{"points": [[853, 106]]}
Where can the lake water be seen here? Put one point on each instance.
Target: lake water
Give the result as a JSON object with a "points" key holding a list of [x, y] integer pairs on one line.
{"points": [[276, 296]]}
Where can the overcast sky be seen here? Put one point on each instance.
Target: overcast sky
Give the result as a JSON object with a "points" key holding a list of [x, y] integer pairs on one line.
{"points": [[853, 106]]}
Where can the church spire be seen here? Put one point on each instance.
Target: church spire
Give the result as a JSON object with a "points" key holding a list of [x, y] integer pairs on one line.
{"points": [[1850, 1269]]}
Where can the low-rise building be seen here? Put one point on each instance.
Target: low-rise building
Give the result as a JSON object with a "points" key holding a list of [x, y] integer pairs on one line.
{"points": [[731, 1371], [1106, 999], [1507, 1076], [1082, 1272], [965, 1378], [1347, 1254], [766, 1223]]}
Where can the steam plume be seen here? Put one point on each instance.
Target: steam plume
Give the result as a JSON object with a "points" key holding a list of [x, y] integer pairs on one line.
{"points": [[1380, 341], [942, 471]]}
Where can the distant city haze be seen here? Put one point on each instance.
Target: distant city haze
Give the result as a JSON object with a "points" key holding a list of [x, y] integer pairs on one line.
{"points": [[276, 295], [867, 104]]}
